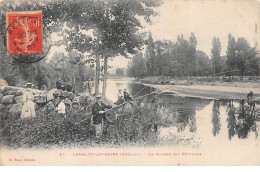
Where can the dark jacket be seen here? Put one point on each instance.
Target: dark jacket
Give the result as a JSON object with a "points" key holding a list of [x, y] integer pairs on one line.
{"points": [[97, 118], [127, 97], [59, 85], [69, 87]]}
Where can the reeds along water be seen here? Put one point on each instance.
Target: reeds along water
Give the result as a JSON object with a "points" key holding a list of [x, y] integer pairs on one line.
{"points": [[242, 120]]}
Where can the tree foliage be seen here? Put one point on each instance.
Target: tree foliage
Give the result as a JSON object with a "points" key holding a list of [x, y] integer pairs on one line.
{"points": [[215, 54]]}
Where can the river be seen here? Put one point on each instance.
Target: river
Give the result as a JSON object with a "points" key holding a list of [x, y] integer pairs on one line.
{"points": [[204, 122]]}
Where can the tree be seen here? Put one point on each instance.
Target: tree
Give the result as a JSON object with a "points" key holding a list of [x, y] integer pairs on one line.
{"points": [[245, 56], [120, 72], [70, 68], [55, 14], [215, 54], [186, 53], [203, 66], [150, 55], [192, 53], [116, 27], [231, 54], [137, 67]]}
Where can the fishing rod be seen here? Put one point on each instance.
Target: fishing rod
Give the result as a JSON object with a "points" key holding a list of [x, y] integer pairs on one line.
{"points": [[126, 103], [140, 91]]}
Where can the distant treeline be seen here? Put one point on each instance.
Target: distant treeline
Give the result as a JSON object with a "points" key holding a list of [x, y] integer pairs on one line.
{"points": [[182, 59]]}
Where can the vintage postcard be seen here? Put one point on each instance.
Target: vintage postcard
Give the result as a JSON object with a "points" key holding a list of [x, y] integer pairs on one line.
{"points": [[129, 82]]}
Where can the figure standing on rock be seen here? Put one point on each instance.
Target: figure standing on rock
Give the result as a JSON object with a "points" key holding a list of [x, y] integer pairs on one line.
{"points": [[28, 108], [59, 85], [127, 97], [120, 97]]}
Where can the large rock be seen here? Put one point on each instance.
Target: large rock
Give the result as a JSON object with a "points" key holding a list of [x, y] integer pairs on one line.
{"points": [[50, 95], [19, 92], [10, 90], [2, 106], [9, 99], [40, 98], [18, 99], [1, 95], [2, 89], [3, 82], [69, 95], [16, 111]]}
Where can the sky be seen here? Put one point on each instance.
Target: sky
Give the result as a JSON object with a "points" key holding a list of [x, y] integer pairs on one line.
{"points": [[206, 18]]}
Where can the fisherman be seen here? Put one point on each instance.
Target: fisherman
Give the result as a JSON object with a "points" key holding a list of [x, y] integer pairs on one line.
{"points": [[59, 85], [69, 86], [28, 108], [127, 97], [153, 105], [98, 112], [120, 97]]}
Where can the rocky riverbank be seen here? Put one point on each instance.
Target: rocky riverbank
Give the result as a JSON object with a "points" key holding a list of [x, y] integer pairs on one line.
{"points": [[11, 99]]}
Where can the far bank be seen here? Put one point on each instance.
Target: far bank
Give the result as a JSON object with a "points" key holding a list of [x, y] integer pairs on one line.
{"points": [[205, 88]]}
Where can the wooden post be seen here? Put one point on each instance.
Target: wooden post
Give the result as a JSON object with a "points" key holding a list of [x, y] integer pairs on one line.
{"points": [[97, 64]]}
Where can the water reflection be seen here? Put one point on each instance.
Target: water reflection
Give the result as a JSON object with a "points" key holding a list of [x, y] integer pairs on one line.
{"points": [[209, 120], [215, 118], [242, 120]]}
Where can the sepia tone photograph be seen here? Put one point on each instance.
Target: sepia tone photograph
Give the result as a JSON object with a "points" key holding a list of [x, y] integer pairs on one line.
{"points": [[129, 82]]}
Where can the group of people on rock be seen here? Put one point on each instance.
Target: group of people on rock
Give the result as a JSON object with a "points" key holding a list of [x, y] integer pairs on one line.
{"points": [[65, 86], [123, 96]]}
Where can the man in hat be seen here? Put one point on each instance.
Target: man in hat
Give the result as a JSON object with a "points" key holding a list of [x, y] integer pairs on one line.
{"points": [[120, 97], [98, 112], [69, 86], [59, 84], [127, 97], [153, 106]]}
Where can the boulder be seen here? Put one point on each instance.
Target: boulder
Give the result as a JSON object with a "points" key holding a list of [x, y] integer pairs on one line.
{"points": [[10, 90], [8, 99], [50, 95], [1, 106], [19, 92], [18, 99], [1, 95], [3, 82], [40, 98], [16, 111], [69, 95], [2, 89]]}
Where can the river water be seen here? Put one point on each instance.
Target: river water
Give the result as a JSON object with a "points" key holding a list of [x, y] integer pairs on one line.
{"points": [[204, 122]]}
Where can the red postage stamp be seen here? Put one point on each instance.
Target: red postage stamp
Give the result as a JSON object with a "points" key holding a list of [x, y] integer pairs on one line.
{"points": [[24, 33]]}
